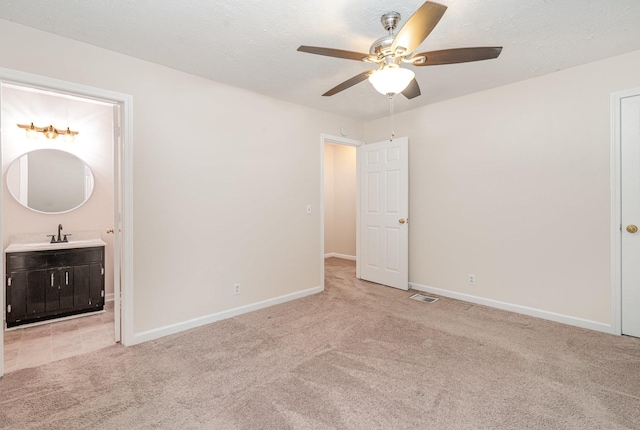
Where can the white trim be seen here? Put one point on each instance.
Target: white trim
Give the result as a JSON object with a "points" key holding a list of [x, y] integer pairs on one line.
{"points": [[616, 220], [524, 310], [20, 78], [126, 258], [343, 256], [3, 305], [327, 138], [109, 297], [208, 319], [616, 209]]}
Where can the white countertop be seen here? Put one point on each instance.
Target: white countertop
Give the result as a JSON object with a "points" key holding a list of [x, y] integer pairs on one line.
{"points": [[40, 242]]}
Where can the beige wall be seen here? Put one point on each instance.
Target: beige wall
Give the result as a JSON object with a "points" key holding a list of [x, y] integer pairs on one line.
{"points": [[513, 185], [340, 199], [93, 144], [222, 178]]}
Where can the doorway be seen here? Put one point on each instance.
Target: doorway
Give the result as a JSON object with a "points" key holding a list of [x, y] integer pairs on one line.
{"points": [[118, 108], [339, 190]]}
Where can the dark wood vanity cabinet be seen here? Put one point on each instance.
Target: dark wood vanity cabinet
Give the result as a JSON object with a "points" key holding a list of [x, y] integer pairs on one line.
{"points": [[43, 285]]}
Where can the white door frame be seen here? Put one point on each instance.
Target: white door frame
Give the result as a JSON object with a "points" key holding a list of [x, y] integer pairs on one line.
{"points": [[616, 208], [125, 188], [327, 138]]}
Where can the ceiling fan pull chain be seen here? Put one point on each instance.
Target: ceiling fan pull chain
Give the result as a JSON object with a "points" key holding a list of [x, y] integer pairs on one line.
{"points": [[391, 117]]}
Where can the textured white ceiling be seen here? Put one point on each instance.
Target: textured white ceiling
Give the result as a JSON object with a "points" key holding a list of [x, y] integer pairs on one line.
{"points": [[252, 43]]}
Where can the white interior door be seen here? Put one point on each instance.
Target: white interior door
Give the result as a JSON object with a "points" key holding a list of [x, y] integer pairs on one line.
{"points": [[384, 211], [630, 170]]}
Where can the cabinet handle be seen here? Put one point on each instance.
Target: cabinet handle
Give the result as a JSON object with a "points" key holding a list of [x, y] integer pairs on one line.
{"points": [[66, 278], [52, 279]]}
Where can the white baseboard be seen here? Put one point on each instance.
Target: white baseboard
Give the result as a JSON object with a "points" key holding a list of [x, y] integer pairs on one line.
{"points": [[109, 297], [343, 256], [538, 313], [208, 319]]}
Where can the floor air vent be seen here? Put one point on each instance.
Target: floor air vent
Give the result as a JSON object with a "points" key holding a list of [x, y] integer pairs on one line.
{"points": [[423, 298]]}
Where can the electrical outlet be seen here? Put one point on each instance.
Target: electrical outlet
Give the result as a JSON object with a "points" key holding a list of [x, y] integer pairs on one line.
{"points": [[236, 289], [472, 279]]}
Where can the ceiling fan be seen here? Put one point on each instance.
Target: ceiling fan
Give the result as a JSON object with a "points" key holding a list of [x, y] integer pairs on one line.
{"points": [[390, 51]]}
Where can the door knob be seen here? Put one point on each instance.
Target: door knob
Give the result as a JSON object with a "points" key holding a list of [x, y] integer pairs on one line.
{"points": [[402, 221], [632, 228]]}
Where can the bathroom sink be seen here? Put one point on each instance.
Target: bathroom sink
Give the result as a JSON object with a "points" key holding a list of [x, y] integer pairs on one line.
{"points": [[42, 246]]}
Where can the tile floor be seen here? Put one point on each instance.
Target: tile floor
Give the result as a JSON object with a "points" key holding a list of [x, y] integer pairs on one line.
{"points": [[35, 346]]}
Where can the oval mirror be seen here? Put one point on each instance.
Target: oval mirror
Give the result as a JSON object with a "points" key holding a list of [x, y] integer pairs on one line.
{"points": [[50, 181]]}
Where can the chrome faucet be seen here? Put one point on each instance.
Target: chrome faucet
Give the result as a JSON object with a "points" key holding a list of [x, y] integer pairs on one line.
{"points": [[59, 229]]}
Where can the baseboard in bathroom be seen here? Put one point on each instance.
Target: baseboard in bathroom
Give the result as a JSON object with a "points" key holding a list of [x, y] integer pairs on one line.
{"points": [[343, 256]]}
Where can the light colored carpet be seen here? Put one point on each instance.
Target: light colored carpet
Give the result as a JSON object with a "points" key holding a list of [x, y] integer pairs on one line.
{"points": [[358, 356]]}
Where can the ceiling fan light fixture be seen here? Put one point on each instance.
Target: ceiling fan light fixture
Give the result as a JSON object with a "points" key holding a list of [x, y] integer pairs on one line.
{"points": [[391, 80]]}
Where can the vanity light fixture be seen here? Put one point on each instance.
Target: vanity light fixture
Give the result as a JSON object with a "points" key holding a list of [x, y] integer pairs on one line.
{"points": [[50, 132]]}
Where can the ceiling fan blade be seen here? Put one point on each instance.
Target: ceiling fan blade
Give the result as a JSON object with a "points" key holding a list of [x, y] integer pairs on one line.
{"points": [[337, 53], [418, 27], [459, 55], [412, 90], [349, 83]]}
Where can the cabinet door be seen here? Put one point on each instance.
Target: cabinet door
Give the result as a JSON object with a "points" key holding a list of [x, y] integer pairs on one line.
{"points": [[52, 291], [37, 281], [96, 286], [81, 277], [66, 287], [17, 297]]}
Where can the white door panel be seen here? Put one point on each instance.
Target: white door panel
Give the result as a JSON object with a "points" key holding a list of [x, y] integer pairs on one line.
{"points": [[384, 203], [630, 170]]}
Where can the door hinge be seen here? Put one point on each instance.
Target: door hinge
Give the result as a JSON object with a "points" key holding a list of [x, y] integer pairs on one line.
{"points": [[8, 309], [8, 282]]}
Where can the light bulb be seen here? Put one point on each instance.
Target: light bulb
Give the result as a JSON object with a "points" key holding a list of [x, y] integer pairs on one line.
{"points": [[50, 132], [68, 136], [32, 132]]}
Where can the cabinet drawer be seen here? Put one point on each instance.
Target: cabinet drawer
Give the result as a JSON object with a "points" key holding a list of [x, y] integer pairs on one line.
{"points": [[47, 259]]}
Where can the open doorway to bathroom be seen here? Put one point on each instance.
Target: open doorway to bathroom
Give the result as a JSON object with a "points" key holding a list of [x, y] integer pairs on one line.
{"points": [[32, 345], [339, 193]]}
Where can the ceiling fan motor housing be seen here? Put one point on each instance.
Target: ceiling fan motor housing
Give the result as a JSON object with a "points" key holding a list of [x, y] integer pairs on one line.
{"points": [[382, 46]]}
